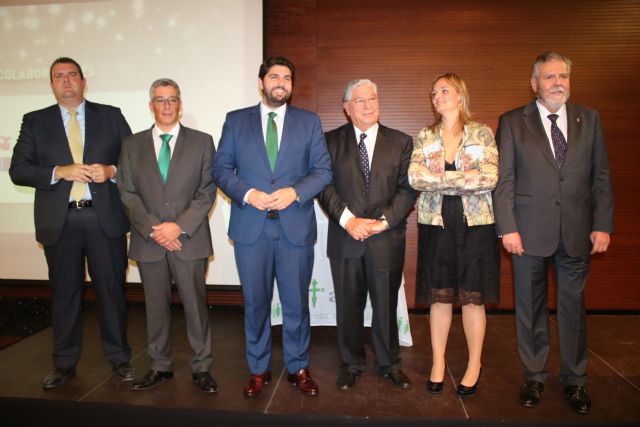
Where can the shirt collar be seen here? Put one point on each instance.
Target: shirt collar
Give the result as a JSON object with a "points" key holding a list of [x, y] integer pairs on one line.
{"points": [[562, 112], [174, 131], [371, 133], [79, 109], [280, 111]]}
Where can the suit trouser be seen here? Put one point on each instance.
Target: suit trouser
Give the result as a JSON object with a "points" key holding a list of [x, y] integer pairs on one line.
{"points": [[106, 257], [352, 279], [189, 277], [273, 256], [532, 315]]}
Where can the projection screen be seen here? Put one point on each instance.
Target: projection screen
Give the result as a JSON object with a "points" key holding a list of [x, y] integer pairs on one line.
{"points": [[212, 48]]}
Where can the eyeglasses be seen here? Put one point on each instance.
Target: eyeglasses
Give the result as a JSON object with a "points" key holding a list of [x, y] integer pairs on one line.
{"points": [[172, 100], [363, 101]]}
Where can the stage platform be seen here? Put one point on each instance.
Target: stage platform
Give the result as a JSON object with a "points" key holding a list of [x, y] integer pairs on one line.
{"points": [[95, 398]]}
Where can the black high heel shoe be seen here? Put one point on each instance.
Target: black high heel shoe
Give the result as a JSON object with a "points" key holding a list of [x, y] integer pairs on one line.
{"points": [[464, 390], [435, 388]]}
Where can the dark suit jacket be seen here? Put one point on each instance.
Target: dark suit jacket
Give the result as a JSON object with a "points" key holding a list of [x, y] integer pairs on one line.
{"points": [[389, 194], [186, 197], [43, 144], [539, 200], [241, 163]]}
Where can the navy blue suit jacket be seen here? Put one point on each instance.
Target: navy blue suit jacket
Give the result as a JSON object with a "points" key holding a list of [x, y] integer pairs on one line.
{"points": [[241, 163]]}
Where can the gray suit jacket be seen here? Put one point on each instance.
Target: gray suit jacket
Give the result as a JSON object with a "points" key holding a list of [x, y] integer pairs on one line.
{"points": [[543, 202], [186, 198]]}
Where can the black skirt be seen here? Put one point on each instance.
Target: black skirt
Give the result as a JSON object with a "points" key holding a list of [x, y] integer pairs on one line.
{"points": [[457, 264]]}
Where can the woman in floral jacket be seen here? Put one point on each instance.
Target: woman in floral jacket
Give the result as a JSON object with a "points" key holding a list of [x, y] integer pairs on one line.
{"points": [[455, 166]]}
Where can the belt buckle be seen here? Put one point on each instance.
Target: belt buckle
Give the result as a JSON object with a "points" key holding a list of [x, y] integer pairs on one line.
{"points": [[80, 204], [273, 214]]}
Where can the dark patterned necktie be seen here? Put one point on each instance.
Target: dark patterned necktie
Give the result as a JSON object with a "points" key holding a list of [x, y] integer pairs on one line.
{"points": [[558, 140], [364, 160]]}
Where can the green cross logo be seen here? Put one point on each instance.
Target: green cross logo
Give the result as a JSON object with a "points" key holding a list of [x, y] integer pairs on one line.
{"points": [[276, 310], [314, 289], [403, 326]]}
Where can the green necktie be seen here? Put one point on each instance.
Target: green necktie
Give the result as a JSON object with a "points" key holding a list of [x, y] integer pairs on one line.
{"points": [[272, 141], [164, 157]]}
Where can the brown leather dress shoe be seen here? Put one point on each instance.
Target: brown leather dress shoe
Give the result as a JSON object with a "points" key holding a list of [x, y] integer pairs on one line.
{"points": [[302, 379], [256, 384]]}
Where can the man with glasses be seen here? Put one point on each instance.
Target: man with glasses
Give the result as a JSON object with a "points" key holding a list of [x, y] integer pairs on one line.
{"points": [[68, 152], [368, 202], [167, 190]]}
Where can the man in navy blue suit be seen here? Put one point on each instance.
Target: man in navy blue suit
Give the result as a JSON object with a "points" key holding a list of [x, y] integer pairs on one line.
{"points": [[272, 161]]}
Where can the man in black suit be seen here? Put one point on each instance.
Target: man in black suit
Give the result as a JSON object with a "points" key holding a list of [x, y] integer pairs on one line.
{"points": [[553, 204], [368, 202], [69, 153]]}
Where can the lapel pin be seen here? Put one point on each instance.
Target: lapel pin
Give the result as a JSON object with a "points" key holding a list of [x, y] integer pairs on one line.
{"points": [[578, 119]]}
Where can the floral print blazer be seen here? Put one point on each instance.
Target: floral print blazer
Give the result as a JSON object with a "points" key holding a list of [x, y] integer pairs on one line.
{"points": [[476, 175]]}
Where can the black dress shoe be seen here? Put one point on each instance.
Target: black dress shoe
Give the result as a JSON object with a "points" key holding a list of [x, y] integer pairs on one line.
{"points": [[433, 387], [123, 370], [205, 382], [150, 379], [346, 380], [398, 379], [530, 393], [464, 390], [58, 377], [578, 398]]}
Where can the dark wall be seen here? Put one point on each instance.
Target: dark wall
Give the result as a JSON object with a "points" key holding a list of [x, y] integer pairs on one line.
{"points": [[403, 44]]}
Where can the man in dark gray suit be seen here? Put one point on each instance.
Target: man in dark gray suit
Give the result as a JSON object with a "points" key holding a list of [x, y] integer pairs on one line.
{"points": [[167, 190], [68, 152], [553, 204]]}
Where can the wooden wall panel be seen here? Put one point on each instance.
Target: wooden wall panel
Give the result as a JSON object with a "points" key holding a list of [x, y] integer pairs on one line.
{"points": [[403, 44]]}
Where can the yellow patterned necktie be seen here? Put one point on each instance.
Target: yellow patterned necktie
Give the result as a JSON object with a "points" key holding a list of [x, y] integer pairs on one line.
{"points": [[74, 135]]}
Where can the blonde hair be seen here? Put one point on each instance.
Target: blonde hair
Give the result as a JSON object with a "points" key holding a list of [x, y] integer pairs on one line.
{"points": [[460, 86]]}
